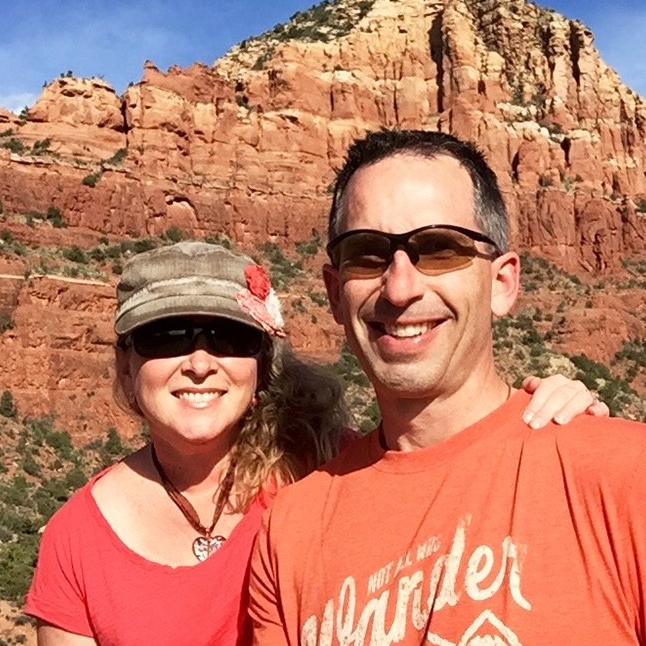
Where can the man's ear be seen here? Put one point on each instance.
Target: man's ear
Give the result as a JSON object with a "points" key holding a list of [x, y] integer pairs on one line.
{"points": [[333, 284], [505, 283]]}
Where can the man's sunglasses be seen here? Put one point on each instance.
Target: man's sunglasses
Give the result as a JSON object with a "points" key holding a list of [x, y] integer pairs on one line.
{"points": [[434, 249], [175, 337]]}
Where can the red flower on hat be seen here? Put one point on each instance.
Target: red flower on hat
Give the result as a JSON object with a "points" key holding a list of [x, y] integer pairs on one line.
{"points": [[257, 281], [259, 300]]}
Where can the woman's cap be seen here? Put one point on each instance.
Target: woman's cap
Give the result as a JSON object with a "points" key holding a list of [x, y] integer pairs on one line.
{"points": [[195, 279]]}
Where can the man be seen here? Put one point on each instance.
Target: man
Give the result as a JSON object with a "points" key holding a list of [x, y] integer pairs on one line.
{"points": [[452, 523]]}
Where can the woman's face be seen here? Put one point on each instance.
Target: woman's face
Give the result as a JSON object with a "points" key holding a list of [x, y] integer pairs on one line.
{"points": [[193, 399]]}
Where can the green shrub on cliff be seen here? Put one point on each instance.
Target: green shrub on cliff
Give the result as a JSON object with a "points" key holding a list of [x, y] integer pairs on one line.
{"points": [[42, 468], [7, 405]]}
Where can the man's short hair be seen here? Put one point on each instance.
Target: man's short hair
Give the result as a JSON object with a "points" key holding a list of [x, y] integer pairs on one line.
{"points": [[490, 212]]}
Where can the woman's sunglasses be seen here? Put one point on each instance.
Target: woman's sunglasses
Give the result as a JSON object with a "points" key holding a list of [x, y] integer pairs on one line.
{"points": [[175, 337], [434, 249]]}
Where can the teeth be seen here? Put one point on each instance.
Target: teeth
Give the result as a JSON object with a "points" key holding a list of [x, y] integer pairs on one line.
{"points": [[198, 398], [405, 331]]}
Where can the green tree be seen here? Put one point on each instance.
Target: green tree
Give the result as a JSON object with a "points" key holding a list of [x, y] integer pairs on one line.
{"points": [[7, 405]]}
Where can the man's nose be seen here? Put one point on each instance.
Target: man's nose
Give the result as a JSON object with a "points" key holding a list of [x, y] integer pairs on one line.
{"points": [[402, 282]]}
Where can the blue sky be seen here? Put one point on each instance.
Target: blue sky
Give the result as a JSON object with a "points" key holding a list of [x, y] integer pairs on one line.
{"points": [[43, 38]]}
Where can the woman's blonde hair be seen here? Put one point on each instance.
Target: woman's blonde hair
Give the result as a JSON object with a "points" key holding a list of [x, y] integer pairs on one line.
{"points": [[295, 426]]}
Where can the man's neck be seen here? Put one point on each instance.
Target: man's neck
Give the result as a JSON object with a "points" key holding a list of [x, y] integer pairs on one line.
{"points": [[410, 424]]}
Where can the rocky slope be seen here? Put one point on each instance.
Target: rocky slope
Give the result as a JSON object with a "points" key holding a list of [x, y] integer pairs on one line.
{"points": [[246, 150]]}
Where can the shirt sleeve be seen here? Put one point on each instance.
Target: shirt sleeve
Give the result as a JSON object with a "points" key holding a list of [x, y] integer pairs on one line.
{"points": [[264, 605], [57, 594]]}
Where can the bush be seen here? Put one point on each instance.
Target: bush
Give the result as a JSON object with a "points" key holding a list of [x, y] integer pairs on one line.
{"points": [[596, 376], [260, 62], [590, 370], [14, 145], [6, 323], [324, 22], [127, 246], [311, 247], [113, 447], [15, 492], [7, 405], [348, 368], [372, 417], [17, 560], [174, 234], [633, 350], [56, 218], [319, 299], [91, 180], [75, 478], [118, 157], [281, 268], [41, 147], [30, 466], [114, 252], [97, 254], [53, 469], [218, 239], [145, 244], [75, 254], [61, 442], [9, 242]]}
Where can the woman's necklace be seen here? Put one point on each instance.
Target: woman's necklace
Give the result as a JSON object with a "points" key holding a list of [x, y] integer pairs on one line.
{"points": [[205, 544]]}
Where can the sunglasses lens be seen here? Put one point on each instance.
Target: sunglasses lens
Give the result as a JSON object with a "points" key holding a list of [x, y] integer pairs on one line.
{"points": [[364, 255], [232, 339], [177, 337], [442, 250], [162, 339]]}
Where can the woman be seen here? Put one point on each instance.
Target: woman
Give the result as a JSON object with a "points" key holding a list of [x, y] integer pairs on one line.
{"points": [[155, 548]]}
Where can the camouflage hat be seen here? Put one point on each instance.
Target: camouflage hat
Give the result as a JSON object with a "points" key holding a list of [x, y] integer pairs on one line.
{"points": [[195, 279]]}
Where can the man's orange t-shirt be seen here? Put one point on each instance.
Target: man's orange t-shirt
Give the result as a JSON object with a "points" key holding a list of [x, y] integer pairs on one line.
{"points": [[499, 535]]}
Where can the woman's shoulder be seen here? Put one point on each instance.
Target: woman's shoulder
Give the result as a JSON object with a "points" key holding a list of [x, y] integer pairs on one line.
{"points": [[76, 511], [125, 491], [117, 478], [86, 502]]}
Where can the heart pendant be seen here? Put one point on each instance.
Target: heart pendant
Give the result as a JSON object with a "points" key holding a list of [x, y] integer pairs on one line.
{"points": [[203, 547]]}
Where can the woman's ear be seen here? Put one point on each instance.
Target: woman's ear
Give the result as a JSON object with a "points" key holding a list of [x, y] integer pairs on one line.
{"points": [[505, 283], [124, 373]]}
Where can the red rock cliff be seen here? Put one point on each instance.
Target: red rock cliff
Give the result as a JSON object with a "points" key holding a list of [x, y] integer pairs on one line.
{"points": [[248, 148]]}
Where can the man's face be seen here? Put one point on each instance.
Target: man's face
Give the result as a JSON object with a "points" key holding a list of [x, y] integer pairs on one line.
{"points": [[415, 335]]}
